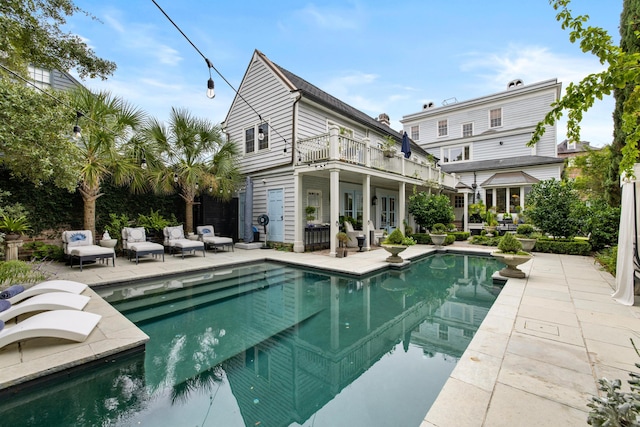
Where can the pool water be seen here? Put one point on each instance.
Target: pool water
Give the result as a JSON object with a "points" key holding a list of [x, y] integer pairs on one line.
{"points": [[273, 345]]}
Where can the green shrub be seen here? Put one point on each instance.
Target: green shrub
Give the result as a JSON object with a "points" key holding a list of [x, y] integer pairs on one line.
{"points": [[395, 238], [460, 236], [509, 244], [408, 241], [425, 239], [438, 228], [601, 224], [484, 240], [525, 230], [428, 209], [563, 246], [607, 258], [15, 272], [555, 208], [45, 251], [449, 239]]}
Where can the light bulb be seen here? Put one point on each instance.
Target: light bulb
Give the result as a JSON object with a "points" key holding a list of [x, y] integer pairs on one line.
{"points": [[76, 132], [260, 134], [210, 92]]}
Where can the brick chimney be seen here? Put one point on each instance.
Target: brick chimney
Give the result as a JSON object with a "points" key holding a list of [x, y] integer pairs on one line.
{"points": [[384, 119]]}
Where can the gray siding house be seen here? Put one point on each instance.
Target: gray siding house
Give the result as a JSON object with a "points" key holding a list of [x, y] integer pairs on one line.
{"points": [[303, 147], [484, 142]]}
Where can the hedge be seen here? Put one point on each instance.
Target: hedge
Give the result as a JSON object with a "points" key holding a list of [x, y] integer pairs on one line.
{"points": [[425, 239], [563, 246]]}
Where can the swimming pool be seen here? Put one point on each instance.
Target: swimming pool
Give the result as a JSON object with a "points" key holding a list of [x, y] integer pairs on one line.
{"points": [[273, 345]]}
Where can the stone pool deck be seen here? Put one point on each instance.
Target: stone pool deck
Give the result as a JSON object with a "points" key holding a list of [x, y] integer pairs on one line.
{"points": [[535, 359]]}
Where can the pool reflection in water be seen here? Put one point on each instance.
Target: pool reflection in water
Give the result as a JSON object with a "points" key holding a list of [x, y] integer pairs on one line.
{"points": [[272, 345]]}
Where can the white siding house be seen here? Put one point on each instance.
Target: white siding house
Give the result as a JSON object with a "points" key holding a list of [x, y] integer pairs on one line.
{"points": [[302, 147], [484, 142]]}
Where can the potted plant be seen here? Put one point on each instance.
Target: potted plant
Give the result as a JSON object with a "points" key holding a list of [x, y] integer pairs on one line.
{"points": [[153, 224], [389, 148], [490, 222], [13, 226], [510, 252], [342, 244], [527, 236], [114, 228], [310, 211], [395, 243], [438, 234]]}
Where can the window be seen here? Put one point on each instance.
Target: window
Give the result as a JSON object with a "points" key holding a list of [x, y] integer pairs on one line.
{"points": [[467, 129], [41, 78], [456, 154], [443, 128], [314, 199], [415, 133], [495, 118], [458, 201], [262, 131]]}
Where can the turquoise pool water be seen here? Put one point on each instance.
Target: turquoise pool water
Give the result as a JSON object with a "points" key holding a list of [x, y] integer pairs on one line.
{"points": [[272, 345]]}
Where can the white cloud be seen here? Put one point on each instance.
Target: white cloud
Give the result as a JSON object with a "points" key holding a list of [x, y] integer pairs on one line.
{"points": [[328, 18]]}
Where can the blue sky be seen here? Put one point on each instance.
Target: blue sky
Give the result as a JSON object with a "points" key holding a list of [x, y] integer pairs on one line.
{"points": [[377, 56]]}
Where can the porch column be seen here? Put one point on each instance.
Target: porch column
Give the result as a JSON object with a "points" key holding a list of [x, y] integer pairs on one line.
{"points": [[402, 202], [334, 143], [367, 152], [366, 209], [465, 216], [298, 206], [334, 207]]}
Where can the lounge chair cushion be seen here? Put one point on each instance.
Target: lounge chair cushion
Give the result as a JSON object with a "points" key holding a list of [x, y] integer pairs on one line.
{"points": [[174, 233], [77, 238], [136, 234]]}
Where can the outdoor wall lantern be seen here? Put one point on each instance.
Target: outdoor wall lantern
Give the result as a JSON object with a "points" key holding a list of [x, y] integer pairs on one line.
{"points": [[374, 200]]}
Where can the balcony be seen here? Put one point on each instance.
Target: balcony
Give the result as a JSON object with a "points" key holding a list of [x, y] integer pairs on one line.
{"points": [[335, 147]]}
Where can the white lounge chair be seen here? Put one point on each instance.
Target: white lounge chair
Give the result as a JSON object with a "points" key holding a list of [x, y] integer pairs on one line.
{"points": [[207, 235], [71, 325], [175, 240], [46, 302], [50, 286], [134, 241], [351, 234], [78, 244]]}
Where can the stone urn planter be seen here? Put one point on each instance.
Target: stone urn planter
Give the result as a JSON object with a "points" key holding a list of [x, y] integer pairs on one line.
{"points": [[512, 261], [108, 243], [527, 244], [438, 239], [394, 250]]}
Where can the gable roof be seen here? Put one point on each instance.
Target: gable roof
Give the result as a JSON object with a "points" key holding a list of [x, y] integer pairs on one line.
{"points": [[321, 97]]}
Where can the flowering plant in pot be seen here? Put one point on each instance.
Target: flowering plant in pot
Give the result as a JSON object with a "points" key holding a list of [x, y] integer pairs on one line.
{"points": [[342, 238]]}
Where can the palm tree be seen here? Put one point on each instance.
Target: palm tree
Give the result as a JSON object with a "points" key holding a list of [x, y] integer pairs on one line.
{"points": [[109, 126], [197, 158]]}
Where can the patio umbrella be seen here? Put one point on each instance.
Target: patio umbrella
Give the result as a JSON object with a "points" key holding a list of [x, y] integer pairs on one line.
{"points": [[624, 263], [406, 146], [248, 212]]}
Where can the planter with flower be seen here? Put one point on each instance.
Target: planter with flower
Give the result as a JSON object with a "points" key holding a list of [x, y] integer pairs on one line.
{"points": [[510, 252], [490, 221], [395, 243], [342, 238], [527, 236], [438, 234], [13, 226]]}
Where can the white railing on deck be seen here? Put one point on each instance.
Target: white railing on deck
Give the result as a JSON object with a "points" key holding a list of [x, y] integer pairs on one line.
{"points": [[319, 148]]}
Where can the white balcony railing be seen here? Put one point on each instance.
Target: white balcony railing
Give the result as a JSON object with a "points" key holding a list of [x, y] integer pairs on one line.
{"points": [[332, 146]]}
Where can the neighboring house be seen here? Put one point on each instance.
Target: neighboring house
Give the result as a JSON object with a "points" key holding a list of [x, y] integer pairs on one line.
{"points": [[54, 79], [484, 142], [302, 147], [569, 151]]}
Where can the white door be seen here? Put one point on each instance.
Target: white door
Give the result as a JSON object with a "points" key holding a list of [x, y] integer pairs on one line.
{"points": [[275, 211]]}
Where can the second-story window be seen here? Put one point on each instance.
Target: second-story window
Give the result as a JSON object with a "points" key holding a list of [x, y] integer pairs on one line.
{"points": [[415, 133], [40, 77], [456, 154], [443, 128], [259, 133], [495, 118], [467, 129]]}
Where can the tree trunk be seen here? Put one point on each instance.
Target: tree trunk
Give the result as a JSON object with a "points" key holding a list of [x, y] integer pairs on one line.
{"points": [[89, 196], [188, 216]]}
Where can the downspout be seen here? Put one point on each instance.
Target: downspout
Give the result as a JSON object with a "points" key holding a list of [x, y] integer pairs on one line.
{"points": [[294, 115]]}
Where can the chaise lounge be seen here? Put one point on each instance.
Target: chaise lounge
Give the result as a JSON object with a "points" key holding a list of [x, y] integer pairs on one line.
{"points": [[47, 286], [78, 244], [206, 234], [134, 242], [46, 302], [174, 239], [71, 325]]}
